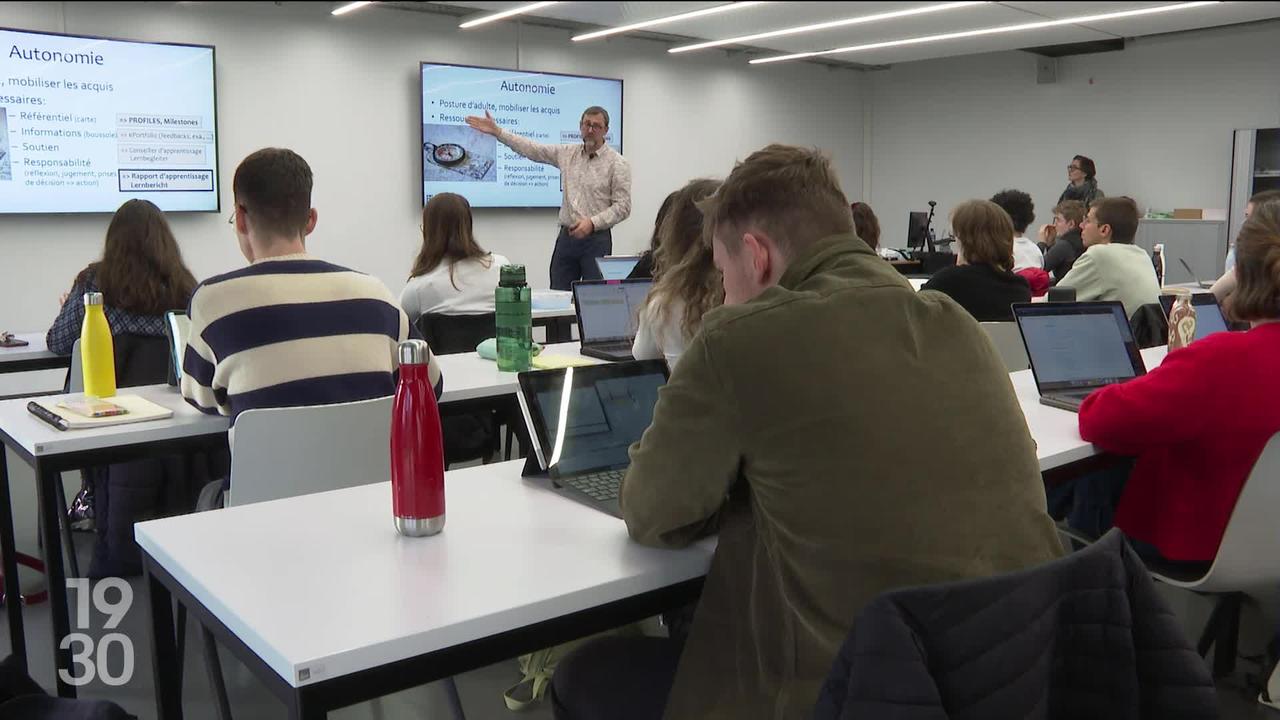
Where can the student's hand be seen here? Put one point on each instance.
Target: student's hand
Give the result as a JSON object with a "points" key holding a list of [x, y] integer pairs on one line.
{"points": [[582, 228], [486, 124], [1048, 234]]}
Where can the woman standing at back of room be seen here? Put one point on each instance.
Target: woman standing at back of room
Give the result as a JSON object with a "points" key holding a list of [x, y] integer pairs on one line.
{"points": [[686, 282], [453, 275], [1082, 182], [141, 276]]}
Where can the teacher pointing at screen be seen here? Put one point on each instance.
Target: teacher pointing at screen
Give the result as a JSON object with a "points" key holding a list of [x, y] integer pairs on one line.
{"points": [[597, 192]]}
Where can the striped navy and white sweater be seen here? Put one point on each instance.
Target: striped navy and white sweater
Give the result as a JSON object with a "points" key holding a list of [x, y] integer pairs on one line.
{"points": [[292, 331]]}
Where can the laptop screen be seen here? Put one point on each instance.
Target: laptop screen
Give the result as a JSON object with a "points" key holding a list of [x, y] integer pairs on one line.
{"points": [[609, 311], [176, 326], [617, 267], [1077, 345], [586, 418], [1209, 318]]}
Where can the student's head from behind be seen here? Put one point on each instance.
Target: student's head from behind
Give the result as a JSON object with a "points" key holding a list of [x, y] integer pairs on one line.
{"points": [[656, 239], [1110, 220], [1080, 169], [594, 126], [1257, 295], [141, 268], [772, 207], [1068, 215], [273, 213], [683, 267], [446, 234], [1019, 206], [1258, 199], [866, 224], [985, 234]]}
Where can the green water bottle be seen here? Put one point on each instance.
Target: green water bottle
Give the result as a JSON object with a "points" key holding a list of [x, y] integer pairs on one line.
{"points": [[514, 315]]}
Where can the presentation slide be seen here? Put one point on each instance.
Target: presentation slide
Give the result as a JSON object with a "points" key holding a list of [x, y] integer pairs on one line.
{"points": [[87, 123], [544, 107]]}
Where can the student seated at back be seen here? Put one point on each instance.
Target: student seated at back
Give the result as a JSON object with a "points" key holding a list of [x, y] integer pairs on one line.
{"points": [[1226, 285], [1112, 267], [686, 283], [453, 275], [1026, 254], [1197, 423], [644, 268], [1061, 240], [866, 224], [141, 276], [289, 329], [982, 281]]}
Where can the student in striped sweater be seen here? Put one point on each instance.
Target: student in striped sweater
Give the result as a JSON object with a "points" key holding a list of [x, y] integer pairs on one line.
{"points": [[289, 329]]}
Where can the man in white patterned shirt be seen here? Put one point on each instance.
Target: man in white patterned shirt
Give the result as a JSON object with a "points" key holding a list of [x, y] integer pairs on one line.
{"points": [[597, 192]]}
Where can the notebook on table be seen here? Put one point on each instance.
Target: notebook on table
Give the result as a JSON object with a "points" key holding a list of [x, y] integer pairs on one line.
{"points": [[583, 421], [609, 315], [1077, 348], [137, 409]]}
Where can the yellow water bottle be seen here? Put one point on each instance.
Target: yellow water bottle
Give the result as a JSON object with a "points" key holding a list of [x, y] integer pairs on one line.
{"points": [[97, 352]]}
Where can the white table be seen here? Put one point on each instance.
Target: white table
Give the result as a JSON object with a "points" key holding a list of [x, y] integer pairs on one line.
{"points": [[467, 376], [340, 609], [1056, 431], [34, 356], [558, 322]]}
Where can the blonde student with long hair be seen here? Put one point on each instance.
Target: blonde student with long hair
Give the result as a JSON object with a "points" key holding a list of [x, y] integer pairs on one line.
{"points": [[686, 282], [453, 275]]}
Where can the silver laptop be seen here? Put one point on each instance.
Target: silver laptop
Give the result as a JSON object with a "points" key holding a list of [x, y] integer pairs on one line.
{"points": [[609, 315], [617, 267], [1077, 348], [583, 420], [176, 325], [1209, 319]]}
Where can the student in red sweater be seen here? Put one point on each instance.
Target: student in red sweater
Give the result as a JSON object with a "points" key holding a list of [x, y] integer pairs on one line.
{"points": [[1197, 423]]}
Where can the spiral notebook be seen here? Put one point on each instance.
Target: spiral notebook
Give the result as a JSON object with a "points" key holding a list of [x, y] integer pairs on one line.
{"points": [[138, 410]]}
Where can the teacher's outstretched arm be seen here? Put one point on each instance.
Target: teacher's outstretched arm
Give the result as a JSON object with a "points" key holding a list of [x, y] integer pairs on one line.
{"points": [[537, 152]]}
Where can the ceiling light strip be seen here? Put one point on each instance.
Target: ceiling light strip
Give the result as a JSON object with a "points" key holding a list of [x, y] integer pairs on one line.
{"points": [[727, 7], [519, 10], [344, 9], [858, 20], [990, 31]]}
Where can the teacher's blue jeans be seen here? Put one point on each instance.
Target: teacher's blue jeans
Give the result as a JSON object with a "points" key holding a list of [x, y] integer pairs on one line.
{"points": [[575, 259]]}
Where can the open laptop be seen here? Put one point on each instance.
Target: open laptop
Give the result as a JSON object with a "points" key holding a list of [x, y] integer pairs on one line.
{"points": [[617, 267], [1199, 283], [609, 315], [176, 325], [583, 420], [1209, 319], [1077, 348]]}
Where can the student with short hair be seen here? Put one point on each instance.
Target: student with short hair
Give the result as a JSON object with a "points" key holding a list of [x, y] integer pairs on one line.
{"points": [[289, 329], [982, 280], [686, 283], [1022, 211], [1112, 267], [866, 224], [779, 431], [1197, 423], [453, 275], [1062, 240]]}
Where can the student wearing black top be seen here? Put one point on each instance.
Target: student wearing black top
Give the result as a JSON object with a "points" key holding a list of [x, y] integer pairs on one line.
{"points": [[644, 268], [982, 280], [1062, 240]]}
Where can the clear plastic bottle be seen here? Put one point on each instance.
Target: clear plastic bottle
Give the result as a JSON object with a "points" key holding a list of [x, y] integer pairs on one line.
{"points": [[97, 351], [513, 308]]}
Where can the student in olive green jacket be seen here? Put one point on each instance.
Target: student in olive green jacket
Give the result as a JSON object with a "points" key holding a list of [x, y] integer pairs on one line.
{"points": [[842, 433]]}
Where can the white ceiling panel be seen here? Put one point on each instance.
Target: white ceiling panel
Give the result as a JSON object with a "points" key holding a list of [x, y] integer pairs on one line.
{"points": [[779, 15]]}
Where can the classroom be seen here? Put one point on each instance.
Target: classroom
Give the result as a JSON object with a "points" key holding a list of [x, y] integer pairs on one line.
{"points": [[831, 360]]}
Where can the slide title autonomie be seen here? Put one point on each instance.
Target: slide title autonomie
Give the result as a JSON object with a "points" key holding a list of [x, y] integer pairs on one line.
{"points": [[54, 56]]}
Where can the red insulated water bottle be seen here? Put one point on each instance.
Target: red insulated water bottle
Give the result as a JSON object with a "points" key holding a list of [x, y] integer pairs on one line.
{"points": [[417, 448]]}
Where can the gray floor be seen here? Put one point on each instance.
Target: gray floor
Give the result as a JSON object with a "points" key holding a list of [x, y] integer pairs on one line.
{"points": [[481, 690]]}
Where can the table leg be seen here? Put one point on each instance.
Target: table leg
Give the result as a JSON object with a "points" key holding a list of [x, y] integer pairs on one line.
{"points": [[48, 494], [12, 591], [164, 650]]}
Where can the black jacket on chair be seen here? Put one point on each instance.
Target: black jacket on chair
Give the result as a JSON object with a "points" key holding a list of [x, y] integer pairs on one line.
{"points": [[1083, 637]]}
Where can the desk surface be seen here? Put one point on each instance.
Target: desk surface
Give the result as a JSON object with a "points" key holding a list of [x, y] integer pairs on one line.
{"points": [[468, 376], [560, 312], [512, 554], [1057, 432], [34, 350]]}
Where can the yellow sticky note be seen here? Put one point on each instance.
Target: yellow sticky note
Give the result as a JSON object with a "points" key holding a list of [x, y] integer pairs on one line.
{"points": [[554, 362]]}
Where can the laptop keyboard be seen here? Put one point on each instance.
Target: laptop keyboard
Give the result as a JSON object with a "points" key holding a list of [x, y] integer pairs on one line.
{"points": [[622, 347], [599, 486]]}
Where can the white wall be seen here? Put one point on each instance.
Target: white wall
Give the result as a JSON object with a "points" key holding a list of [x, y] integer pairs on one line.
{"points": [[343, 92], [1157, 118]]}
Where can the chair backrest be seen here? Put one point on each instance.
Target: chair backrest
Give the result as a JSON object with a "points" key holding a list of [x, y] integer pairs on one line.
{"points": [[140, 360], [1061, 294], [1008, 341], [1248, 556], [448, 334], [282, 452], [1150, 326]]}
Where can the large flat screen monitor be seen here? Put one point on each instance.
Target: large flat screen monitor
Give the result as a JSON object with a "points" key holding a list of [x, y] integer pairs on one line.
{"points": [[544, 107], [87, 123]]}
